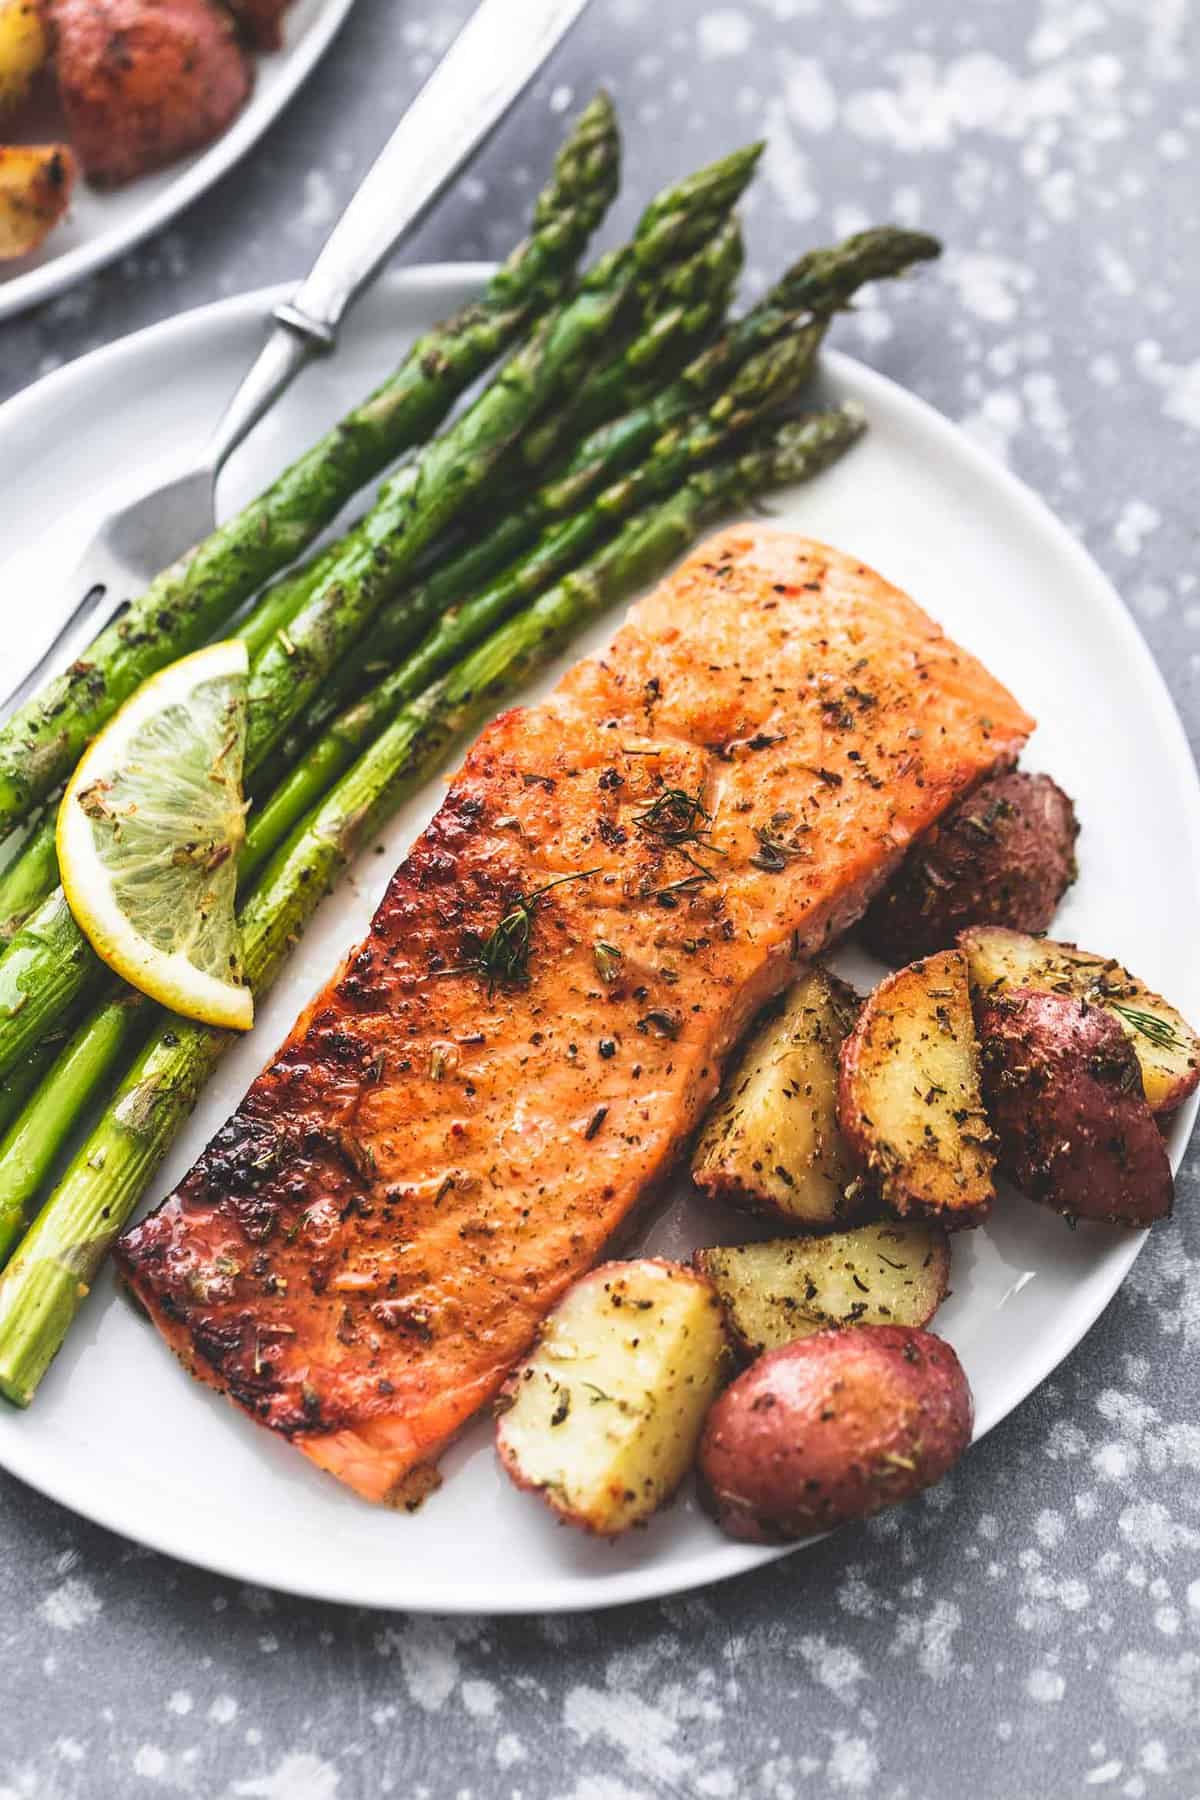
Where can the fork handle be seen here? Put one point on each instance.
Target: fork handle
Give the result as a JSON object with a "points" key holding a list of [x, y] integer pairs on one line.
{"points": [[489, 64]]}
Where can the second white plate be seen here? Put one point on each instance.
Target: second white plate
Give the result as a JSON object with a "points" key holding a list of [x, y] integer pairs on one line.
{"points": [[119, 1433], [102, 226]]}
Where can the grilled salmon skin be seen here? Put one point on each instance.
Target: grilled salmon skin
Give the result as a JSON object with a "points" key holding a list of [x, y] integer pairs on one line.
{"points": [[617, 880]]}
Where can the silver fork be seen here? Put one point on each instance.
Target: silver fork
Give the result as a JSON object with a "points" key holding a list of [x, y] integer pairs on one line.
{"points": [[487, 67]]}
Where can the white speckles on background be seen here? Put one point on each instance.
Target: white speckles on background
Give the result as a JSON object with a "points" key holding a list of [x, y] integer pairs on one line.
{"points": [[852, 1766], [833, 1665], [722, 32], [1178, 383], [318, 210], [786, 166], [298, 1776], [1045, 1687], [1151, 1688], [480, 1698], [626, 1722], [808, 93], [149, 1762], [72, 1604]]}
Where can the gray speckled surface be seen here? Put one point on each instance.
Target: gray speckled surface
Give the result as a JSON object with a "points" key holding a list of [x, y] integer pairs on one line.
{"points": [[1033, 1627]]}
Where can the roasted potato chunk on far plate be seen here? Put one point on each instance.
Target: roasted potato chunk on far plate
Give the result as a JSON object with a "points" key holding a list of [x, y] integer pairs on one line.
{"points": [[894, 1272], [1167, 1049], [1064, 1094], [772, 1140], [23, 49], [833, 1428], [1003, 856], [909, 1099], [35, 190], [604, 1418]]}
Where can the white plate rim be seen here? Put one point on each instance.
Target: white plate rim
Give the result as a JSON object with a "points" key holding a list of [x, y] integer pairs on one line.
{"points": [[294, 64], [650, 1580]]}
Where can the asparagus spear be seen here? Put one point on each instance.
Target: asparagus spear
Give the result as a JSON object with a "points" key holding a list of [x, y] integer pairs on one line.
{"points": [[52, 1271], [799, 306], [820, 283], [805, 298], [47, 966], [188, 602], [684, 309], [17, 1087], [274, 610], [766, 381], [426, 496], [49, 963], [31, 1146], [23, 1080]]}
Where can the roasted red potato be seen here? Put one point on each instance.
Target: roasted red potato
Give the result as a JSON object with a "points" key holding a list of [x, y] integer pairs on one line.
{"points": [[1064, 1095], [771, 1142], [35, 191], [894, 1272], [833, 1428], [145, 81], [261, 21], [909, 1099], [603, 1419], [1003, 856], [1167, 1049]]}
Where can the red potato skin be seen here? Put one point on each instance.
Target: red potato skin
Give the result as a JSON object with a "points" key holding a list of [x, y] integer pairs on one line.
{"points": [[1005, 855], [1064, 1096], [261, 21], [145, 81], [831, 1429]]}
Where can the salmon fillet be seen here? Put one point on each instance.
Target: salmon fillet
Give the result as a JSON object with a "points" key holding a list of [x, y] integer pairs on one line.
{"points": [[369, 1244]]}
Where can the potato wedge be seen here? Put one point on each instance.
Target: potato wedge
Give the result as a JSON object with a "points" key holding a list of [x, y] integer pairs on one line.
{"points": [[892, 1272], [35, 191], [1167, 1049], [1064, 1094], [24, 47], [833, 1428], [772, 1140], [604, 1417], [1005, 855], [909, 1099]]}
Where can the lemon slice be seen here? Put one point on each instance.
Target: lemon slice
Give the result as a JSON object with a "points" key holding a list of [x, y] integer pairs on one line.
{"points": [[149, 832]]}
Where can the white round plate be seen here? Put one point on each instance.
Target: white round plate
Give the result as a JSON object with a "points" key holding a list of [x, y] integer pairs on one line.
{"points": [[121, 1434], [102, 226]]}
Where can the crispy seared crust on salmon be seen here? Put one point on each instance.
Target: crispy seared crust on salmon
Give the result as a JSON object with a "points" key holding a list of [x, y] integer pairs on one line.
{"points": [[369, 1244]]}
